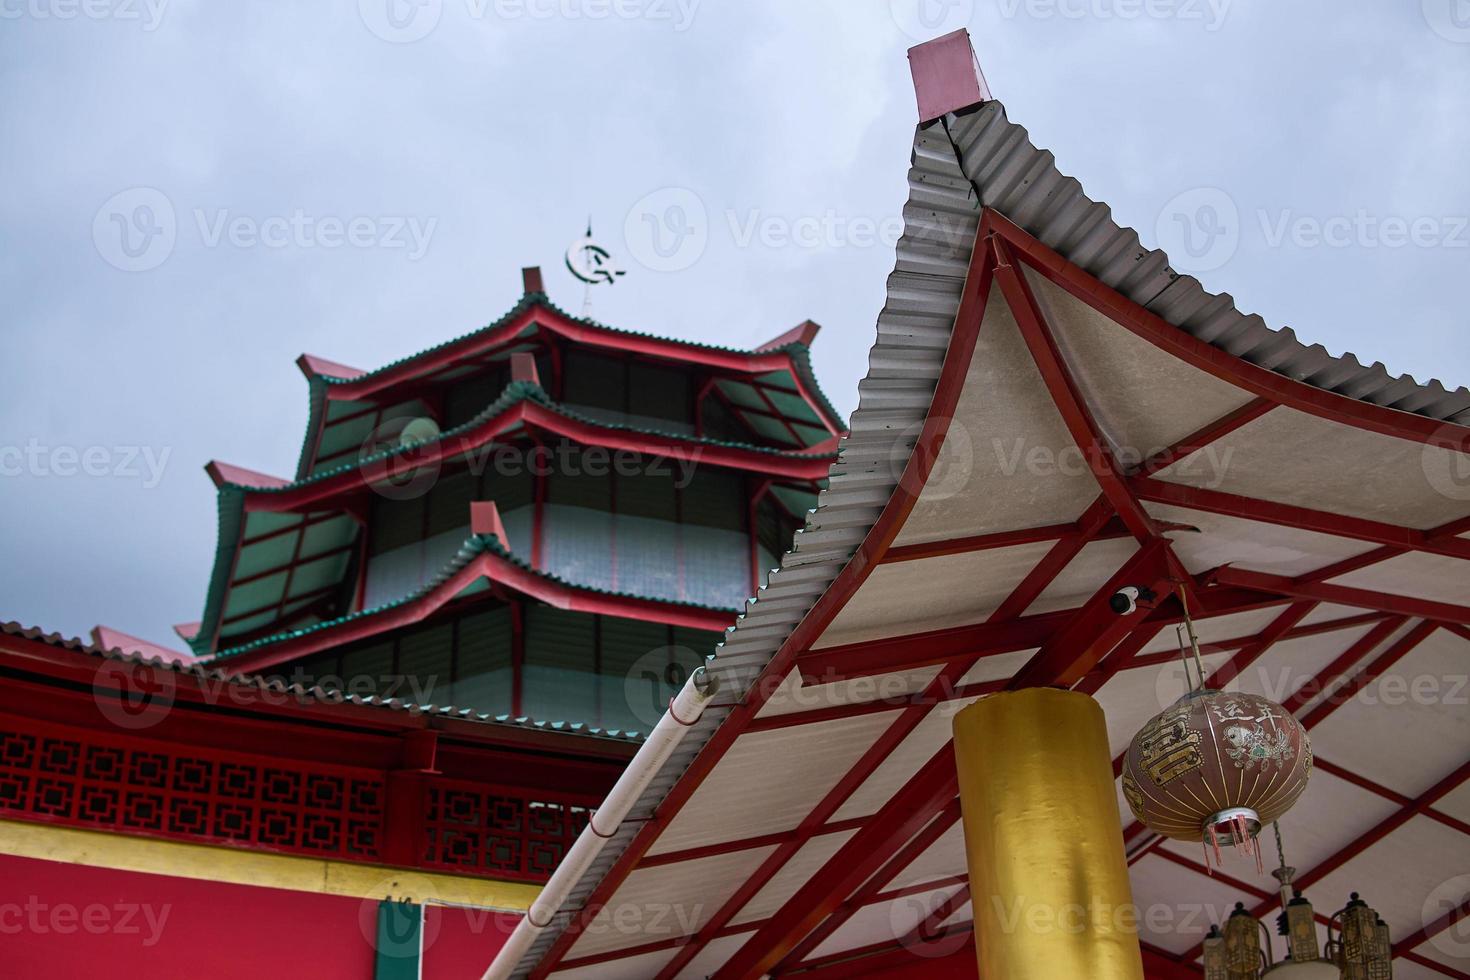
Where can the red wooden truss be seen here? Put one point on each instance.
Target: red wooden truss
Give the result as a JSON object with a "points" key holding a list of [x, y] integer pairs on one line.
{"points": [[881, 830]]}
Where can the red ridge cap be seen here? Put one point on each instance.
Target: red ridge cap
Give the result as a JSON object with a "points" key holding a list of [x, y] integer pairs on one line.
{"points": [[187, 631], [222, 473], [485, 519], [803, 333], [311, 366]]}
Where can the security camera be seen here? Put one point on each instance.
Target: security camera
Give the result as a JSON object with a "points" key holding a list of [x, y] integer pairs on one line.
{"points": [[1125, 601]]}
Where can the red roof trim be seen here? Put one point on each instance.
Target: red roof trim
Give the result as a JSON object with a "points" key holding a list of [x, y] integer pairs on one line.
{"points": [[498, 571], [804, 466], [804, 333], [544, 315], [222, 473], [313, 366]]}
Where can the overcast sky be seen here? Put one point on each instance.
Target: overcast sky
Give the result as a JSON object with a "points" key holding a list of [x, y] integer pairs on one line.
{"points": [[179, 182]]}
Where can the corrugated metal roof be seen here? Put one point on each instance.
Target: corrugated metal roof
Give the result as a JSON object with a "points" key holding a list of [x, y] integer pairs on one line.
{"points": [[1022, 182], [914, 328], [1001, 169], [204, 672]]}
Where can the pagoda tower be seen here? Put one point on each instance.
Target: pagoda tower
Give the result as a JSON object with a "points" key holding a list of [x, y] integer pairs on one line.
{"points": [[547, 518]]}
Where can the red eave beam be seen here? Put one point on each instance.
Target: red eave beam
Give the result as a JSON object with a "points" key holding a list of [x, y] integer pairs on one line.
{"points": [[1066, 395], [1290, 515], [910, 810], [1397, 605]]}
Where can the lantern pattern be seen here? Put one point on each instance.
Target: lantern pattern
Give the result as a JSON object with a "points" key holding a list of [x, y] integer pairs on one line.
{"points": [[1216, 767]]}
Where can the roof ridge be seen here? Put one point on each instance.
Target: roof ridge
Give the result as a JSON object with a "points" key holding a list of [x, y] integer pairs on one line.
{"points": [[204, 670], [514, 392]]}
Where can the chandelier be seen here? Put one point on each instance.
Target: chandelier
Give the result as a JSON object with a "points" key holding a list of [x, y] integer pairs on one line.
{"points": [[1358, 946]]}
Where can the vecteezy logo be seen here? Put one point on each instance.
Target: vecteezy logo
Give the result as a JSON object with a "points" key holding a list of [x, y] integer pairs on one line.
{"points": [[925, 19], [400, 21], [397, 457], [135, 229], [668, 230], [1446, 462], [1199, 229], [131, 695], [392, 916], [1450, 19], [653, 679], [938, 474], [1446, 901]]}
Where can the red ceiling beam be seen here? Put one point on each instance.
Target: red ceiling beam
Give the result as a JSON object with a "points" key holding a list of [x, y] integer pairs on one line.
{"points": [[905, 856], [1030, 587], [980, 542], [1193, 443], [1369, 674], [1254, 378], [1445, 971], [1095, 628], [906, 814], [744, 844], [1451, 917], [1397, 605], [949, 955], [815, 716], [874, 657], [1066, 395], [1290, 515]]}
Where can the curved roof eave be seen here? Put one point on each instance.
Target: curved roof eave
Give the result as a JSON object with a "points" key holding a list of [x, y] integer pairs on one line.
{"points": [[461, 571], [206, 673], [764, 358], [518, 393], [1019, 182]]}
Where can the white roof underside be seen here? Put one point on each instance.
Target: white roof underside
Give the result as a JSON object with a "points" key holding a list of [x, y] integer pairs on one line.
{"points": [[998, 472]]}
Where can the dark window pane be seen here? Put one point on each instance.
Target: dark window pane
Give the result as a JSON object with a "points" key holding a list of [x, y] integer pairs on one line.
{"points": [[394, 523], [483, 666]]}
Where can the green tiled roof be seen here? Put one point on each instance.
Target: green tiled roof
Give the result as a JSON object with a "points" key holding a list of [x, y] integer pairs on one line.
{"points": [[475, 544], [232, 496], [799, 353]]}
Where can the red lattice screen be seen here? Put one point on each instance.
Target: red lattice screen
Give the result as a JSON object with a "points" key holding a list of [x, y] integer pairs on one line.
{"points": [[208, 796], [473, 830], [132, 785]]}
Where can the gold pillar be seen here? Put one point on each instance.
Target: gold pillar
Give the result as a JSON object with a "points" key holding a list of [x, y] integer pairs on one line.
{"points": [[1048, 878]]}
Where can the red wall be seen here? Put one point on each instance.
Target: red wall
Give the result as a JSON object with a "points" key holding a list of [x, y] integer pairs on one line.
{"points": [[64, 921]]}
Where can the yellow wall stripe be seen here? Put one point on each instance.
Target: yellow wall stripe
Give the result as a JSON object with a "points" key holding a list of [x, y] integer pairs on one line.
{"points": [[241, 867]]}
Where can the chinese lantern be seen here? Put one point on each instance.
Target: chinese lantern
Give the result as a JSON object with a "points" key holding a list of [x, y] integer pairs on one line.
{"points": [[1215, 767]]}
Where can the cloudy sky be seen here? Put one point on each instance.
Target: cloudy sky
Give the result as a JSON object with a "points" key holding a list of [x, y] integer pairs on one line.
{"points": [[195, 193]]}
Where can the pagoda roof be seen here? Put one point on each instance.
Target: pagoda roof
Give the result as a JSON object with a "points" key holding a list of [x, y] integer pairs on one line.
{"points": [[813, 815], [482, 564], [282, 698], [305, 522], [786, 357]]}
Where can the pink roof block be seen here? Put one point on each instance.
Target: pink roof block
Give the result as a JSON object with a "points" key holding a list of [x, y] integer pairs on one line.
{"points": [[110, 639], [947, 75]]}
